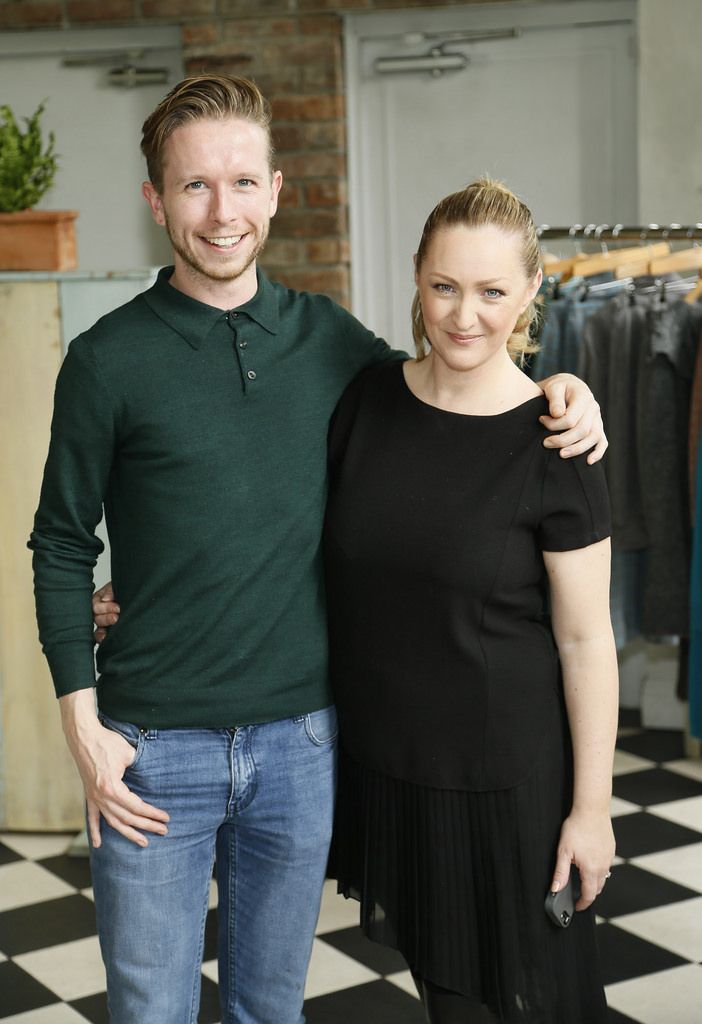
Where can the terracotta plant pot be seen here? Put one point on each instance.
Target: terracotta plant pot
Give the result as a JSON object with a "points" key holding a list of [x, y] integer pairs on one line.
{"points": [[38, 240]]}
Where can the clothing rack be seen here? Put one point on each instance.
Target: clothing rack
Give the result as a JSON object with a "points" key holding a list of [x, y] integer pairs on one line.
{"points": [[622, 232]]}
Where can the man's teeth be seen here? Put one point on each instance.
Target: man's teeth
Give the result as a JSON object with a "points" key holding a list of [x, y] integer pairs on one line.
{"points": [[224, 242]]}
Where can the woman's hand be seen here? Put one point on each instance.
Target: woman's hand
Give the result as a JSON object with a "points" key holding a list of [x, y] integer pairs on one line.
{"points": [[587, 840], [575, 412], [105, 611]]}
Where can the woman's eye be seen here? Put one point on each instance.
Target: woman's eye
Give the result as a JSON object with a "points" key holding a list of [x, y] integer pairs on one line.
{"points": [[443, 289], [493, 293]]}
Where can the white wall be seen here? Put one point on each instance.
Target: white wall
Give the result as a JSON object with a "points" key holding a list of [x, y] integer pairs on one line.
{"points": [[670, 130]]}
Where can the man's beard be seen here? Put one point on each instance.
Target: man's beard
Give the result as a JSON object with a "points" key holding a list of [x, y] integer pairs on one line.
{"points": [[195, 267]]}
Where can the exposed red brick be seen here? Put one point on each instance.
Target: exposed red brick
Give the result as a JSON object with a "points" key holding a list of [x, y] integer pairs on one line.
{"points": [[200, 33], [258, 6], [341, 5], [308, 108], [290, 195], [321, 24], [312, 165], [238, 28], [327, 250], [309, 223], [315, 280], [284, 252], [301, 50], [176, 8], [100, 10], [20, 14], [316, 77], [325, 193], [234, 64], [301, 135]]}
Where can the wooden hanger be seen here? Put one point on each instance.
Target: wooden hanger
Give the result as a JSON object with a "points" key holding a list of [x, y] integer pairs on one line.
{"points": [[638, 257], [696, 293], [552, 265], [677, 262]]}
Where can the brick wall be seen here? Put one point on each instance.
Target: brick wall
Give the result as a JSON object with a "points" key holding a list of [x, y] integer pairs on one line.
{"points": [[293, 49]]}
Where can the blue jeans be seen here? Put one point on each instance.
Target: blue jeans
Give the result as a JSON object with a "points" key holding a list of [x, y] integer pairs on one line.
{"points": [[258, 800]]}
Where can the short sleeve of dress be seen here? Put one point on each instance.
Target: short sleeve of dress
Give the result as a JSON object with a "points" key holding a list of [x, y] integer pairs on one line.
{"points": [[575, 510]]}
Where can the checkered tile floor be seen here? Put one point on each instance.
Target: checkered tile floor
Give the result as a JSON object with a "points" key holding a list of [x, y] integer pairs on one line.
{"points": [[650, 930]]}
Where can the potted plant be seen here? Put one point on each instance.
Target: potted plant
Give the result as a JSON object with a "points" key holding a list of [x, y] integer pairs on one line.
{"points": [[31, 239]]}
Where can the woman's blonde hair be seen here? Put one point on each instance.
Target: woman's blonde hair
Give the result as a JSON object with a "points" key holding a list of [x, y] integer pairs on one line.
{"points": [[484, 202]]}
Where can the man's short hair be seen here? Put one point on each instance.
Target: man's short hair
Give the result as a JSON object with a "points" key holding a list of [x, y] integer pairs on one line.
{"points": [[202, 96]]}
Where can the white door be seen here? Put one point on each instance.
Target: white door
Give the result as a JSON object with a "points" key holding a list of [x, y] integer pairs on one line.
{"points": [[551, 111], [98, 130]]}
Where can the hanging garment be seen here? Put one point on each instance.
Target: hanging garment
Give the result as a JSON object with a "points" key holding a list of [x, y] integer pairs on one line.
{"points": [[694, 680]]}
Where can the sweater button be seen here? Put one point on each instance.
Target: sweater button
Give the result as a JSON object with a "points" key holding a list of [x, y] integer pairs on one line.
{"points": [[243, 344], [251, 375]]}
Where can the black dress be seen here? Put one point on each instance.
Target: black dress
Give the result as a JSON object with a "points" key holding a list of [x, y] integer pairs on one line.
{"points": [[456, 766]]}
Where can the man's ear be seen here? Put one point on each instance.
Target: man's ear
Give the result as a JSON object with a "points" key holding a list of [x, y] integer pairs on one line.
{"points": [[154, 200], [276, 184]]}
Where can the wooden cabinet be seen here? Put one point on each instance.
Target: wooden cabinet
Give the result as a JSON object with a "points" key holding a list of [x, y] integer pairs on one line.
{"points": [[39, 785]]}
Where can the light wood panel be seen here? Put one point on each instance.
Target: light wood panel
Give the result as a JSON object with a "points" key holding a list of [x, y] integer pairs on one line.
{"points": [[40, 785]]}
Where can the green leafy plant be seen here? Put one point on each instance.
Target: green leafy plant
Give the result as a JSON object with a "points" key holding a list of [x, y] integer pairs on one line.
{"points": [[26, 172]]}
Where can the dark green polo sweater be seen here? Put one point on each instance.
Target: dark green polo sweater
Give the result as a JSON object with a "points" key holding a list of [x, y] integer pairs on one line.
{"points": [[203, 434]]}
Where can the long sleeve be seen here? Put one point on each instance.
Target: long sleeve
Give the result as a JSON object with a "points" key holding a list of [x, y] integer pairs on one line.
{"points": [[63, 539]]}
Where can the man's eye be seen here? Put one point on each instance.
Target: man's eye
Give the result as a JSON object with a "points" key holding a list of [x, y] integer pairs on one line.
{"points": [[195, 186], [245, 181]]}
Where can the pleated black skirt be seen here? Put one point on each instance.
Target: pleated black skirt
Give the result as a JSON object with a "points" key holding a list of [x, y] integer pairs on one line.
{"points": [[456, 882]]}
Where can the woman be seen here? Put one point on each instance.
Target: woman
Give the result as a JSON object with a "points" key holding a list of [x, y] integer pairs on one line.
{"points": [[477, 737]]}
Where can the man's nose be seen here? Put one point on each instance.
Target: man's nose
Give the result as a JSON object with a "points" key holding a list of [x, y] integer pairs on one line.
{"points": [[223, 205]]}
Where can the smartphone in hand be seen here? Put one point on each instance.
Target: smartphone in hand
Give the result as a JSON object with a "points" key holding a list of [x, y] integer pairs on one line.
{"points": [[560, 906]]}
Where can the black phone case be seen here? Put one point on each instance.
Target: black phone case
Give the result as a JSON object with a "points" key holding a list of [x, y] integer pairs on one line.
{"points": [[560, 906]]}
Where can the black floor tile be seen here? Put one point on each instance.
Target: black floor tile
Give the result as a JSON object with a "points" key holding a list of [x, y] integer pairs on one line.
{"points": [[629, 718], [209, 1002], [377, 1003], [46, 924], [381, 959], [656, 744], [20, 992], [93, 1008], [210, 948], [627, 956], [654, 786], [73, 870], [641, 833], [8, 856], [631, 889]]}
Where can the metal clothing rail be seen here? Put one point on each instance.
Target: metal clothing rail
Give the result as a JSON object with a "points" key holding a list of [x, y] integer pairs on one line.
{"points": [[622, 232]]}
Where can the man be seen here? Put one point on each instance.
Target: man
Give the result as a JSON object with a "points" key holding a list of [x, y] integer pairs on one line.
{"points": [[197, 415]]}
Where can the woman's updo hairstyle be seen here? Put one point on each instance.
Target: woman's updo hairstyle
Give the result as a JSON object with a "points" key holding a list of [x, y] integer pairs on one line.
{"points": [[484, 202]]}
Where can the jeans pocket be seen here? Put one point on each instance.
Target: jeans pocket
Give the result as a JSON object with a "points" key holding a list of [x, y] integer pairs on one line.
{"points": [[322, 726], [131, 733]]}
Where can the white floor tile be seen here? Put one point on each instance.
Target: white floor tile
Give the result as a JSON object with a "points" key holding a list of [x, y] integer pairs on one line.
{"points": [[625, 763], [675, 926], [331, 971], [35, 846], [336, 912], [683, 812], [666, 997], [687, 766], [57, 1013], [405, 981], [619, 807], [212, 901], [209, 969], [24, 882], [682, 865], [71, 970]]}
